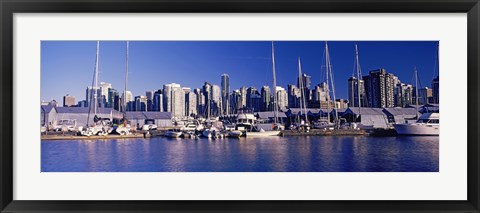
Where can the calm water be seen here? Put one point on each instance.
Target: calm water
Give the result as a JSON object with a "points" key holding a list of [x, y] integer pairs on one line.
{"points": [[274, 154]]}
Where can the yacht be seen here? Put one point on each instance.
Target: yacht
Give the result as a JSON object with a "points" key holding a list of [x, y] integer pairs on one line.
{"points": [[173, 133], [211, 132], [65, 125], [192, 126], [246, 125], [235, 133], [427, 124]]}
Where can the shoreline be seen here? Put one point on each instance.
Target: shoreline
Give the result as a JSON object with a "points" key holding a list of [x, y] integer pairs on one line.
{"points": [[160, 133]]}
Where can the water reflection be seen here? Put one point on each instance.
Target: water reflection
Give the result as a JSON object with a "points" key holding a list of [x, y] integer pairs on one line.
{"points": [[275, 154]]}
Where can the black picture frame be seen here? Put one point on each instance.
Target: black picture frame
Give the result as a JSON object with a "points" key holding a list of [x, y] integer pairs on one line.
{"points": [[10, 7]]}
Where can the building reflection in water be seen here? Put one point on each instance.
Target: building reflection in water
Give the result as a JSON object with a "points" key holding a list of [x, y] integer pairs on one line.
{"points": [[271, 154]]}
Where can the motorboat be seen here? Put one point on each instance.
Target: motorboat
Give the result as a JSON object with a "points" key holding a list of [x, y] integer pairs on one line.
{"points": [[101, 127], [211, 133], [192, 126], [323, 125], [235, 134], [147, 127], [246, 125], [123, 129], [65, 125], [173, 133], [262, 133], [427, 124]]}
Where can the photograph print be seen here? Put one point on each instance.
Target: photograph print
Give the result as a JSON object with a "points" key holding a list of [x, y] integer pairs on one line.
{"points": [[239, 106]]}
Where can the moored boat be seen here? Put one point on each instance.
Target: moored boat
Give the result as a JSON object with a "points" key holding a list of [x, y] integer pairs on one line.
{"points": [[262, 133], [235, 134], [172, 133], [427, 124]]}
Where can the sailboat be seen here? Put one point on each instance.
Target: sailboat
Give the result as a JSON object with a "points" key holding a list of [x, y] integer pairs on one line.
{"points": [[124, 128], [324, 122], [360, 96], [304, 123], [245, 121], [101, 126], [427, 123]]}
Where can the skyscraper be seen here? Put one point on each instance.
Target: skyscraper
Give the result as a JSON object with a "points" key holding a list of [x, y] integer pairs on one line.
{"points": [[435, 90], [265, 102], [255, 102], [282, 98], [157, 104], [425, 95], [141, 103], [68, 101], [191, 99], [379, 87], [207, 92], [294, 96], [235, 100], [149, 95], [225, 83], [174, 99], [320, 96], [403, 95], [90, 95], [251, 92], [113, 99], [104, 98], [243, 99], [216, 102], [353, 92], [200, 101], [306, 85], [127, 99]]}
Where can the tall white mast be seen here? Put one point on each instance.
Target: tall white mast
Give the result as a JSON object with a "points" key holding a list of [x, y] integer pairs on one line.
{"points": [[330, 74], [326, 78], [359, 77], [126, 81], [96, 80], [416, 89], [275, 106], [302, 90]]}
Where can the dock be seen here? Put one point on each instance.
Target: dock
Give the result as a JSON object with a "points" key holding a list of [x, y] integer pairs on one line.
{"points": [[159, 133], [322, 132], [93, 137]]}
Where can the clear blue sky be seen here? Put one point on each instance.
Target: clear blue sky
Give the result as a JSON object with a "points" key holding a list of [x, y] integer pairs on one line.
{"points": [[67, 66]]}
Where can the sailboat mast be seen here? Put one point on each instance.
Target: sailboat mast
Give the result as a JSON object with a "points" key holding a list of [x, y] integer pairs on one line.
{"points": [[96, 80], [275, 106], [326, 78], [333, 88], [359, 75], [330, 74], [302, 89], [126, 81], [416, 89]]}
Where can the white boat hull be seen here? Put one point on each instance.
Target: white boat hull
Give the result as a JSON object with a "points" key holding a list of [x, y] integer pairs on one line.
{"points": [[263, 134], [121, 130], [417, 129]]}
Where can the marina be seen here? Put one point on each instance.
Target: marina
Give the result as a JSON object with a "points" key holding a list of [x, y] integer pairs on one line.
{"points": [[301, 127]]}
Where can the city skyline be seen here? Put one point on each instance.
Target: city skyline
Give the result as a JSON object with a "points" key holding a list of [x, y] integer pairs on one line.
{"points": [[146, 75]]}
